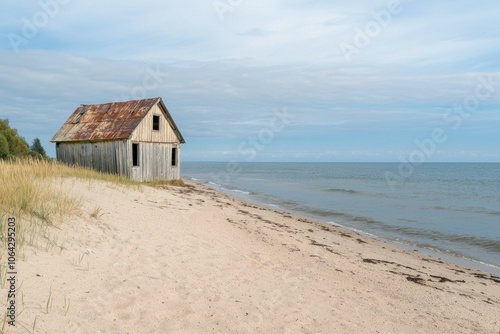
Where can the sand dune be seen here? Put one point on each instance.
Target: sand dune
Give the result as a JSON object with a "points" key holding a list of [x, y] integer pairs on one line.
{"points": [[193, 260]]}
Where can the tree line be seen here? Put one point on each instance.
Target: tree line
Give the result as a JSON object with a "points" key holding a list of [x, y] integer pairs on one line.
{"points": [[12, 145]]}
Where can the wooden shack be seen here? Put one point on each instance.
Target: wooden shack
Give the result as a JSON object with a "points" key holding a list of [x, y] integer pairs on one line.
{"points": [[138, 139]]}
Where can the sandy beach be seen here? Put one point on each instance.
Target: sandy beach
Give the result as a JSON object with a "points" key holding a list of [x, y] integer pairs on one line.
{"points": [[194, 260]]}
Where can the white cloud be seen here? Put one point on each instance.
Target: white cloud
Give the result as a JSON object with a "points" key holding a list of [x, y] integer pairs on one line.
{"points": [[263, 55]]}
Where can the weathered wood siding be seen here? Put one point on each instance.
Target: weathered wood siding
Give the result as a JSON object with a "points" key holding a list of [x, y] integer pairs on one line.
{"points": [[115, 157], [106, 156], [155, 162], [145, 133]]}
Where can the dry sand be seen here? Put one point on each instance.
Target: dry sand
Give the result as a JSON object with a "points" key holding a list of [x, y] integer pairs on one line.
{"points": [[193, 260]]}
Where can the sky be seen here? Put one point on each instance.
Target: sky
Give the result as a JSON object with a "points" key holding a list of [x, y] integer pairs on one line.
{"points": [[275, 80]]}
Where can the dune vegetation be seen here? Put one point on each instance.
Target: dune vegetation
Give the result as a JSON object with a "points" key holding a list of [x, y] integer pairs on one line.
{"points": [[33, 191]]}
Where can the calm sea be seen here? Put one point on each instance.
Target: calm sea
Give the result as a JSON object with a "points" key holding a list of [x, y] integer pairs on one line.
{"points": [[449, 210]]}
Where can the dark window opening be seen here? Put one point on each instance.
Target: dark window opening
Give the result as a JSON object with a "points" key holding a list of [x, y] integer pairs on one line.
{"points": [[156, 122], [135, 154], [174, 156]]}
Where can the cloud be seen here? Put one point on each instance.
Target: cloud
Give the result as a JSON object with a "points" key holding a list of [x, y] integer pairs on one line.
{"points": [[224, 79], [255, 32]]}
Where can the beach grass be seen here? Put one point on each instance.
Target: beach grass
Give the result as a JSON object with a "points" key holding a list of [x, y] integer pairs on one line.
{"points": [[33, 192], [163, 184]]}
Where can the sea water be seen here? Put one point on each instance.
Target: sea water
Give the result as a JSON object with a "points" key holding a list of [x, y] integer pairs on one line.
{"points": [[449, 210]]}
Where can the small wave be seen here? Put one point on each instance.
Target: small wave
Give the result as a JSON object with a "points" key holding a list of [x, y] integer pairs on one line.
{"points": [[343, 216], [214, 184], [493, 213], [487, 243], [438, 208], [367, 234], [322, 213], [485, 211], [340, 190], [240, 191], [409, 221], [465, 209], [482, 263], [194, 179], [482, 242]]}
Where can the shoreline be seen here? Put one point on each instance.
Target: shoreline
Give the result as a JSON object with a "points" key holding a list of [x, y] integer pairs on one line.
{"points": [[447, 255], [192, 259], [437, 254]]}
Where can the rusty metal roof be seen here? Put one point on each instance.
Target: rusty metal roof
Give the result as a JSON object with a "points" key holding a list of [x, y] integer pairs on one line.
{"points": [[109, 121]]}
